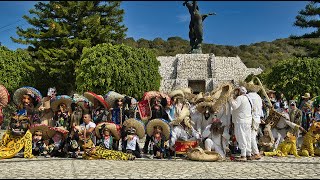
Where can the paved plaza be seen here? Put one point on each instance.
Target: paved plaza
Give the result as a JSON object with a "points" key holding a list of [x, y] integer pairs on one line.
{"points": [[68, 168], [267, 167]]}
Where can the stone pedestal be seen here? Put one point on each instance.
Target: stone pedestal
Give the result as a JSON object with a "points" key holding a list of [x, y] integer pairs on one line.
{"points": [[202, 71]]}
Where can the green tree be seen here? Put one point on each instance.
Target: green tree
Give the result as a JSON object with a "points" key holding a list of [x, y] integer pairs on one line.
{"points": [[121, 68], [308, 18], [61, 29], [294, 76]]}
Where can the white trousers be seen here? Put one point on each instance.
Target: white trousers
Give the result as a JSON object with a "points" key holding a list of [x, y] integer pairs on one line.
{"points": [[243, 135], [210, 145], [254, 133]]}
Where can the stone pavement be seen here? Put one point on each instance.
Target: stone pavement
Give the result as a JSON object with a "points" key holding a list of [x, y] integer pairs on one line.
{"points": [[66, 168]]}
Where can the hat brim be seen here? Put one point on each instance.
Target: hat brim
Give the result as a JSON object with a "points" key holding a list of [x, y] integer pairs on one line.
{"points": [[111, 126], [91, 96], [18, 95], [175, 93], [4, 96], [201, 106], [63, 131], [47, 131], [61, 99], [138, 125], [158, 122], [81, 101], [111, 97], [252, 87]]}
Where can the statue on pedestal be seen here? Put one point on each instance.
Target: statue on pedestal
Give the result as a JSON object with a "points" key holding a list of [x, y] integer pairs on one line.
{"points": [[196, 26]]}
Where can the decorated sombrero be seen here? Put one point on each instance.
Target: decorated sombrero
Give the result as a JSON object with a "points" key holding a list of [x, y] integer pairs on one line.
{"points": [[208, 102], [111, 97], [62, 130], [47, 131], [91, 96], [175, 93], [67, 100], [81, 101], [150, 94], [34, 93], [158, 122], [4, 96], [188, 94], [137, 124], [112, 128]]}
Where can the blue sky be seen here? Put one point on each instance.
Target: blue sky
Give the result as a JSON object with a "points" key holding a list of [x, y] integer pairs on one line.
{"points": [[236, 23]]}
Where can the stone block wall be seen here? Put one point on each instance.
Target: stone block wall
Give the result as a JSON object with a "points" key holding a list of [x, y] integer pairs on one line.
{"points": [[177, 70]]}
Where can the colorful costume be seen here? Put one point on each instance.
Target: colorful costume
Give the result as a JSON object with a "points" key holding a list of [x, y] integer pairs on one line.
{"points": [[288, 146], [309, 140]]}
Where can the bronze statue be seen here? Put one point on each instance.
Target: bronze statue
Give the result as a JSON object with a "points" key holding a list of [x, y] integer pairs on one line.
{"points": [[196, 26]]}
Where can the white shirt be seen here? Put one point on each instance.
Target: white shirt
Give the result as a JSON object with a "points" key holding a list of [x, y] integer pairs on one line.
{"points": [[285, 122], [106, 143], [257, 111], [131, 144], [88, 126], [241, 110], [179, 133]]}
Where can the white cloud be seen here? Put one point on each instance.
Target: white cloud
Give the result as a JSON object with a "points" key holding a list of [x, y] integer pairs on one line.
{"points": [[183, 18]]}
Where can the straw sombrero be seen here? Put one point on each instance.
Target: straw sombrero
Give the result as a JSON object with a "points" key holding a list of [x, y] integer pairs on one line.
{"points": [[61, 130], [221, 96], [199, 98], [67, 100], [81, 101], [91, 96], [47, 131], [177, 92], [111, 97], [112, 128], [208, 102], [158, 122], [250, 86], [137, 124], [35, 94], [4, 96]]}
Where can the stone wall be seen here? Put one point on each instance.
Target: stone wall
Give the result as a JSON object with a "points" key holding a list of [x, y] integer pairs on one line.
{"points": [[177, 70]]}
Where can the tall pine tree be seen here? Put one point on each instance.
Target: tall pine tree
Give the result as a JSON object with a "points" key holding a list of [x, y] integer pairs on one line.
{"points": [[61, 29], [309, 18]]}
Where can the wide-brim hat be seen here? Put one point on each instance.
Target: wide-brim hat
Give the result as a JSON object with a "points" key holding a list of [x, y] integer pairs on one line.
{"points": [[4, 96], [158, 122], [137, 124], [222, 96], [62, 130], [111, 97], [250, 86], [81, 101], [112, 128], [175, 93], [306, 95], [67, 100], [202, 106], [270, 91], [35, 94], [91, 96], [47, 131], [199, 98], [188, 94], [150, 94]]}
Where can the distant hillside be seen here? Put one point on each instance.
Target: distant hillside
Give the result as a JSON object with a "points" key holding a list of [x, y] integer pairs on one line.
{"points": [[262, 54]]}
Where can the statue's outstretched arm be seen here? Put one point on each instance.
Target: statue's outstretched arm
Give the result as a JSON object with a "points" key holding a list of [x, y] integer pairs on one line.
{"points": [[206, 15]]}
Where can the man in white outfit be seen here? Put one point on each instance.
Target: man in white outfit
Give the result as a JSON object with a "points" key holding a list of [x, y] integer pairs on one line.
{"points": [[257, 114], [217, 133], [242, 119]]}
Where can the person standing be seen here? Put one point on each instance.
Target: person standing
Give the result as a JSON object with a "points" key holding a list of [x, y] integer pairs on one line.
{"points": [[295, 115], [257, 114], [242, 119]]}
